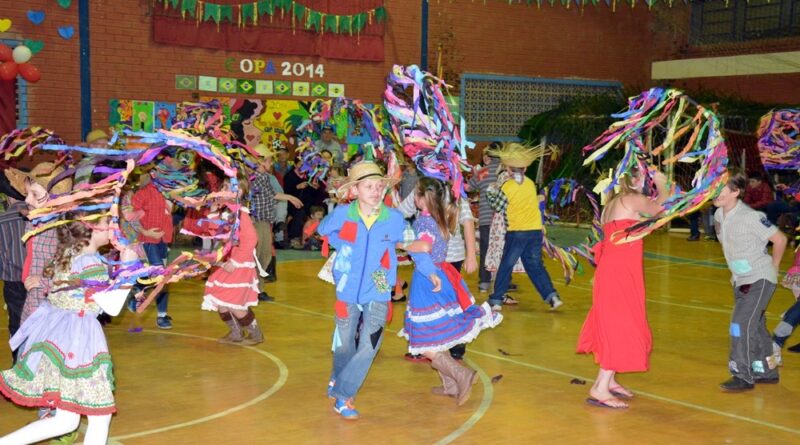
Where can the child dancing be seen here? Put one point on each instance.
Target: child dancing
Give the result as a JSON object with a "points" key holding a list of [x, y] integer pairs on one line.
{"points": [[64, 363], [438, 319], [233, 287]]}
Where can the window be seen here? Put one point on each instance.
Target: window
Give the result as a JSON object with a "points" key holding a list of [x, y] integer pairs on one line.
{"points": [[715, 21], [495, 107]]}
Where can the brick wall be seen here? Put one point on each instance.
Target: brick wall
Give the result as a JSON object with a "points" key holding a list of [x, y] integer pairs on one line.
{"points": [[475, 37]]}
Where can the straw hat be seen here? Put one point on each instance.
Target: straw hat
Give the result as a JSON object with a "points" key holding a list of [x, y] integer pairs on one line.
{"points": [[265, 151], [515, 155], [362, 171], [42, 174], [96, 135]]}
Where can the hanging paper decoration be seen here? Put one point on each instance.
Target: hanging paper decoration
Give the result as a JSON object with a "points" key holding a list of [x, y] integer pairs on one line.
{"points": [[250, 13], [36, 17], [559, 195], [779, 139], [423, 125], [666, 125], [66, 32], [5, 25]]}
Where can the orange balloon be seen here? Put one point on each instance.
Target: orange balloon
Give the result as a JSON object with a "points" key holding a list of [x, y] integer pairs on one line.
{"points": [[8, 71], [29, 72], [5, 53]]}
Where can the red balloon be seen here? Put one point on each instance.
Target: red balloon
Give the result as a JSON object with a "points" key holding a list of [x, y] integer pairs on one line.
{"points": [[5, 53], [29, 72], [8, 71]]}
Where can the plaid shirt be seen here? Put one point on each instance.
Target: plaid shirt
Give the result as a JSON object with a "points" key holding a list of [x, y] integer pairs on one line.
{"points": [[12, 227], [41, 250], [262, 198], [156, 213]]}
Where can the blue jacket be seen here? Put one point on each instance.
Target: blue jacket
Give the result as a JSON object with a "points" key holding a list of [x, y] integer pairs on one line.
{"points": [[365, 268]]}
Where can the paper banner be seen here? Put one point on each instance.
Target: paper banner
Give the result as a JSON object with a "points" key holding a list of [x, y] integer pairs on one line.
{"points": [[165, 115]]}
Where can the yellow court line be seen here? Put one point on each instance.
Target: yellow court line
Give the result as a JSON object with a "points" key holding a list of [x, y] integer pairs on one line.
{"points": [[488, 389], [284, 375]]}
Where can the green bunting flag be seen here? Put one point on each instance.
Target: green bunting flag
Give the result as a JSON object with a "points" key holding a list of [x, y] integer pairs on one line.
{"points": [[248, 13]]}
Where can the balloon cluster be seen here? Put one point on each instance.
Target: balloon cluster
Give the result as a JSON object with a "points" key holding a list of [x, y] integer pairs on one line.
{"points": [[17, 61]]}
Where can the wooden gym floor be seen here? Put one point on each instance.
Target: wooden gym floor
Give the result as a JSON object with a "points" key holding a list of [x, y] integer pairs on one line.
{"points": [[181, 387]]}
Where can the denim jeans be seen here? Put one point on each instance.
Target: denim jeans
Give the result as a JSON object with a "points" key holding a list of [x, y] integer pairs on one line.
{"points": [[157, 256], [527, 245], [351, 361]]}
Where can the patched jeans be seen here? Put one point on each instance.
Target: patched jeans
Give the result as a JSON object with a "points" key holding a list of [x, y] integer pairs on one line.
{"points": [[751, 343], [352, 359]]}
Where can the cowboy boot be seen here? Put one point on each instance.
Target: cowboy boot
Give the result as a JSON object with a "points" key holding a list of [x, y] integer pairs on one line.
{"points": [[448, 387], [250, 326], [464, 377], [235, 334]]}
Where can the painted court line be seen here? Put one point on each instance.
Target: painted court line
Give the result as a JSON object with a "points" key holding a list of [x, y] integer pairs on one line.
{"points": [[284, 375], [488, 389], [646, 394]]}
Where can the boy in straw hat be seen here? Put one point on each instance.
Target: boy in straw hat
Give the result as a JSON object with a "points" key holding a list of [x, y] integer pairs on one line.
{"points": [[519, 200], [365, 234], [38, 186]]}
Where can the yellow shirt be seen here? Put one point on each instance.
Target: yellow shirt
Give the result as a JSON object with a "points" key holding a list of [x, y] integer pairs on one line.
{"points": [[523, 206], [369, 220]]}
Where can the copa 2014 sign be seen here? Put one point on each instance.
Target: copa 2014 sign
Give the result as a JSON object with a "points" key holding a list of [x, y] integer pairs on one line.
{"points": [[268, 67]]}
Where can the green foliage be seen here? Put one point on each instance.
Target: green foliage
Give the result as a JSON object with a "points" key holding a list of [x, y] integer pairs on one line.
{"points": [[573, 125]]}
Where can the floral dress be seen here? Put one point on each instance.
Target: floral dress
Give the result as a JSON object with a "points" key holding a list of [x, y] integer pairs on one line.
{"points": [[64, 360]]}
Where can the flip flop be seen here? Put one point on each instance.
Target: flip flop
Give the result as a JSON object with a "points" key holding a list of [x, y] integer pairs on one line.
{"points": [[618, 394], [603, 403]]}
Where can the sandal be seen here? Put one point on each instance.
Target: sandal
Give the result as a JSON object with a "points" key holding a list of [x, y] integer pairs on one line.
{"points": [[617, 391], [509, 301], [606, 403]]}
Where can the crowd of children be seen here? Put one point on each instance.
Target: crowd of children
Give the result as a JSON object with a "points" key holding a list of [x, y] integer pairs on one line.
{"points": [[53, 319]]}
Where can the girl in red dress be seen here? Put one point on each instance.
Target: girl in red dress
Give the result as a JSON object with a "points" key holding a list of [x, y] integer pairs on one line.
{"points": [[616, 329], [232, 288]]}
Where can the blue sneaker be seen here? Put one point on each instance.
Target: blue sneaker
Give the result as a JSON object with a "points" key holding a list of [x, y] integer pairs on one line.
{"points": [[164, 322], [345, 408]]}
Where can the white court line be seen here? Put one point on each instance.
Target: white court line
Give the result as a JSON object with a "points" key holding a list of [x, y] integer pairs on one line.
{"points": [[650, 395], [488, 389], [646, 394], [284, 375]]}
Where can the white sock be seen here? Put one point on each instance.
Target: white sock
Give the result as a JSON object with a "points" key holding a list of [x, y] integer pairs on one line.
{"points": [[162, 314], [97, 430], [64, 422]]}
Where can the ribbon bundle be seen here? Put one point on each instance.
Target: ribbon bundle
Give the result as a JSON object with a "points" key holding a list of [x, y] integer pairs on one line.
{"points": [[658, 123], [779, 139], [559, 194], [202, 133], [423, 125]]}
